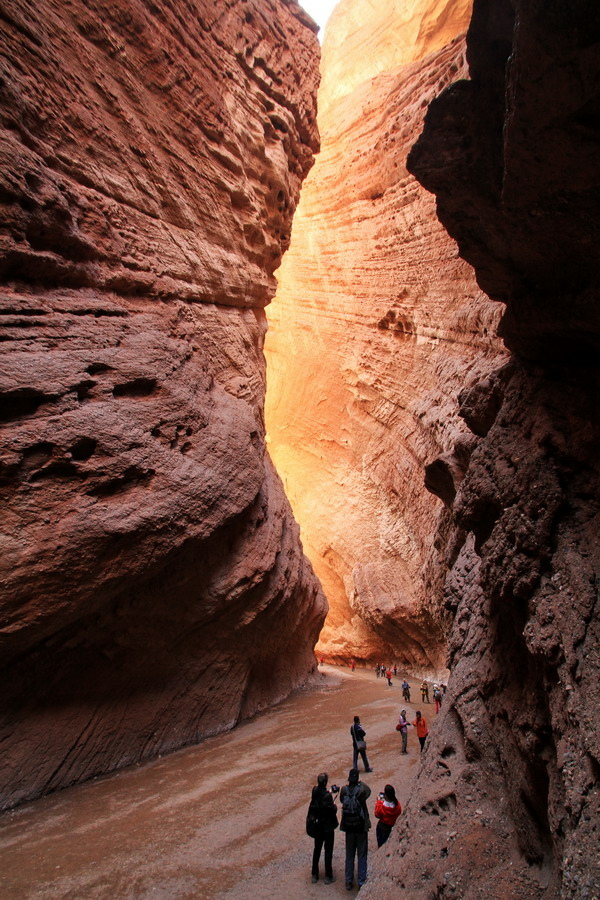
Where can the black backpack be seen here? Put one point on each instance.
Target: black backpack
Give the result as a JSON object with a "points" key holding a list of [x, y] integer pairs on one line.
{"points": [[353, 815], [313, 823]]}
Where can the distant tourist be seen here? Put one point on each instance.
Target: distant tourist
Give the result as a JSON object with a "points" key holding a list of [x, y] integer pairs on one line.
{"points": [[352, 665], [377, 670], [388, 675], [406, 691], [387, 810], [359, 745], [437, 696], [422, 730], [321, 822], [355, 823], [395, 671], [424, 692]]}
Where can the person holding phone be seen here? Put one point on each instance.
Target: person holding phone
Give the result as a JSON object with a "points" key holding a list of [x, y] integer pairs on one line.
{"points": [[387, 810]]}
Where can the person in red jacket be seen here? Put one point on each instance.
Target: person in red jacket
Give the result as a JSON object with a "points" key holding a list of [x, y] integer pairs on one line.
{"points": [[422, 730], [387, 810]]}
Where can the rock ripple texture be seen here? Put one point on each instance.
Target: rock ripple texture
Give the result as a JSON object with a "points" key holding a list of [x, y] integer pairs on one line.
{"points": [[153, 584], [511, 783], [376, 327]]}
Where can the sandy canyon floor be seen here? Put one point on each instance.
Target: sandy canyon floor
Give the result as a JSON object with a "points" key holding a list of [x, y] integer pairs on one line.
{"points": [[221, 820]]}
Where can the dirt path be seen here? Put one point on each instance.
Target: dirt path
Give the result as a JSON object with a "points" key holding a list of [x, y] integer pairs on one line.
{"points": [[222, 820]]}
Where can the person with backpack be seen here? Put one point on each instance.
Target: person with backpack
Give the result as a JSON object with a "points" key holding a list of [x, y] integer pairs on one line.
{"points": [[359, 745], [355, 823], [321, 822], [437, 696], [387, 810]]}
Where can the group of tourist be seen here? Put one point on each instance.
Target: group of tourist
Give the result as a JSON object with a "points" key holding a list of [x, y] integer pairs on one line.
{"points": [[322, 820], [438, 694], [419, 723], [383, 671], [322, 816]]}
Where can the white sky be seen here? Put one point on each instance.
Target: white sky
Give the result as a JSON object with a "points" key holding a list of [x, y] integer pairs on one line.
{"points": [[319, 10]]}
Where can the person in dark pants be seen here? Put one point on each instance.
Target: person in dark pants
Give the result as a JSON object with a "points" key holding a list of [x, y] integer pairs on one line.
{"points": [[359, 745], [402, 726], [355, 823], [325, 810], [422, 730], [387, 810]]}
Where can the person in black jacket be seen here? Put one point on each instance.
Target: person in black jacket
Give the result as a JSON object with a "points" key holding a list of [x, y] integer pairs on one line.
{"points": [[359, 745], [356, 824], [325, 810]]}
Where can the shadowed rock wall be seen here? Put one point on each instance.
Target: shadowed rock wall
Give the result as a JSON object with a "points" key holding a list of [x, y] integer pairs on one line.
{"points": [[510, 786], [376, 327], [151, 160]]}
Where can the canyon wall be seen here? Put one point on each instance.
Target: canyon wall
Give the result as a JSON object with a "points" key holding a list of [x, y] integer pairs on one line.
{"points": [[376, 327], [153, 587], [507, 802]]}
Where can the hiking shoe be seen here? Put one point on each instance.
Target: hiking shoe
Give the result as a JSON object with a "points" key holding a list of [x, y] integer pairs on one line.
{"points": [[349, 885], [369, 770], [314, 879], [329, 880]]}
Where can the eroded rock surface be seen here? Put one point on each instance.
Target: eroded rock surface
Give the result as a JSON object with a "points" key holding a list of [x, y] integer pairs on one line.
{"points": [[511, 783], [153, 583], [376, 327]]}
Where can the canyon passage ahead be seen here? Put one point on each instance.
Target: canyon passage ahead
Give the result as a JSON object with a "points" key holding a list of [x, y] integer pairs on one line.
{"points": [[154, 586]]}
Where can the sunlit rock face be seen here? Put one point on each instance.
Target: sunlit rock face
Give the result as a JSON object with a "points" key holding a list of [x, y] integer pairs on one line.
{"points": [[154, 589], [510, 786], [376, 327]]}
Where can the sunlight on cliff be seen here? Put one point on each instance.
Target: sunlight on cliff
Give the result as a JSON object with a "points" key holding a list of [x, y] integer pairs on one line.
{"points": [[374, 322]]}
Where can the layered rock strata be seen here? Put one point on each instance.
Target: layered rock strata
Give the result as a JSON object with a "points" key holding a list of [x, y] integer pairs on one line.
{"points": [[153, 584], [376, 326], [511, 783]]}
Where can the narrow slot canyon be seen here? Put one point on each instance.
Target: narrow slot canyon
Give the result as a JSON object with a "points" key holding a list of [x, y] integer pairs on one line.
{"points": [[300, 354], [376, 327]]}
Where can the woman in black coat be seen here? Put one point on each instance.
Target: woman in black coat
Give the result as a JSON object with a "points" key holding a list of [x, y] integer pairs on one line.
{"points": [[322, 815]]}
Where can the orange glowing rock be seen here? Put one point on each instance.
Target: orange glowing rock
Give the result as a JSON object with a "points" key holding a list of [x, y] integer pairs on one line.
{"points": [[375, 326]]}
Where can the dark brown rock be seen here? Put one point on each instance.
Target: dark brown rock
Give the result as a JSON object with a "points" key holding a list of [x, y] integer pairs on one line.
{"points": [[507, 803], [512, 156], [443, 476]]}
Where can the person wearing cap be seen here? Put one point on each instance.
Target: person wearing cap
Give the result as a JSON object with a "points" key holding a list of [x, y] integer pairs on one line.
{"points": [[355, 827], [402, 727]]}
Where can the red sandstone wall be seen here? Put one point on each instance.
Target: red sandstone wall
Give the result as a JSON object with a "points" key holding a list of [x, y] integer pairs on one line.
{"points": [[151, 159], [376, 327]]}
